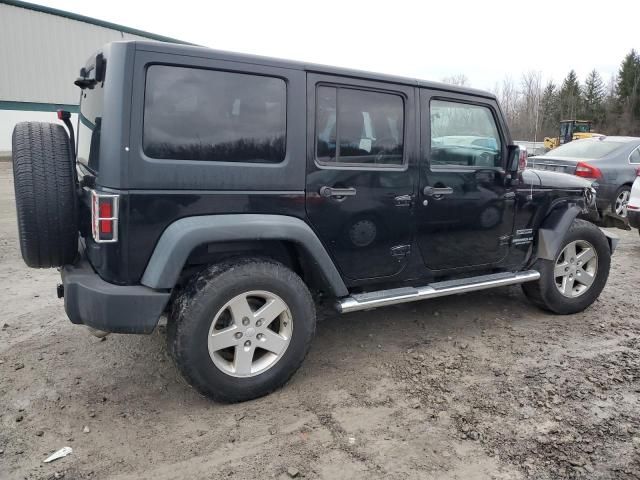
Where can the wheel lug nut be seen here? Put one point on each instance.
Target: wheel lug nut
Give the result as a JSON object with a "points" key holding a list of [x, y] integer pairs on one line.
{"points": [[245, 321], [259, 336], [247, 343], [238, 335], [259, 323], [566, 269]]}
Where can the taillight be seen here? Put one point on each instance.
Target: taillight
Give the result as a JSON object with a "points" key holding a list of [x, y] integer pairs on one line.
{"points": [[638, 172], [104, 217], [585, 170]]}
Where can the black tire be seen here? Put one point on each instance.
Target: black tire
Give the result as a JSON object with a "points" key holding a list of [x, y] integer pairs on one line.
{"points": [[544, 292], [46, 202], [620, 191], [195, 308]]}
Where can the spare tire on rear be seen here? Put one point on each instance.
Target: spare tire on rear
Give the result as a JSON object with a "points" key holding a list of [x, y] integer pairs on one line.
{"points": [[45, 187]]}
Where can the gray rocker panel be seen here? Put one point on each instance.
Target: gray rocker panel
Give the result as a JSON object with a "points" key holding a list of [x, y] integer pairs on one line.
{"points": [[182, 236]]}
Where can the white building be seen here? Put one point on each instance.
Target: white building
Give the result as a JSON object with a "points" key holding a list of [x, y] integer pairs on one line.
{"points": [[41, 52]]}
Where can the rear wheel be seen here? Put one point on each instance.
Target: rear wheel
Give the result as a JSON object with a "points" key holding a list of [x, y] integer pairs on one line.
{"points": [[574, 280], [619, 205], [241, 329], [45, 189]]}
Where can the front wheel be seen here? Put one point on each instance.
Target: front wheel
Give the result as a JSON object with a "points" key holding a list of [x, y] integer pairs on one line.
{"points": [[574, 280], [241, 329]]}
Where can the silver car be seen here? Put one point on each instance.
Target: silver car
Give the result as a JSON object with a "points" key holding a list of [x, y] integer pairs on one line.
{"points": [[611, 162], [633, 208]]}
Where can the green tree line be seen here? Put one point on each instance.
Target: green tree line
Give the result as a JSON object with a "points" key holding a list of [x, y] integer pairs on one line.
{"points": [[534, 111]]}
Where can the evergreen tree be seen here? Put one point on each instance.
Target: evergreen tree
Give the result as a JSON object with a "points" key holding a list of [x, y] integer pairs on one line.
{"points": [[628, 90], [549, 110], [629, 75], [569, 97], [611, 107], [593, 97]]}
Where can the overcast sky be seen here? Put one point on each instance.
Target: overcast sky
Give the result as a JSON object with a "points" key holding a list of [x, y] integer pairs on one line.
{"points": [[484, 40]]}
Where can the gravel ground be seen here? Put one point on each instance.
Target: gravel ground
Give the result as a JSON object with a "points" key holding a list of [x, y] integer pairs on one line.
{"points": [[479, 386]]}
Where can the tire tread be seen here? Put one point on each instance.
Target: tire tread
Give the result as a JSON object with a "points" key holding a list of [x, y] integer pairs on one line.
{"points": [[190, 305], [543, 292], [46, 203]]}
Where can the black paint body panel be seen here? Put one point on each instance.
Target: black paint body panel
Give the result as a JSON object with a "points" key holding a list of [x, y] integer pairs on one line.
{"points": [[409, 246]]}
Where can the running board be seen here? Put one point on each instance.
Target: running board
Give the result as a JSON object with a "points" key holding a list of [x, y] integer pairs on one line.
{"points": [[363, 301]]}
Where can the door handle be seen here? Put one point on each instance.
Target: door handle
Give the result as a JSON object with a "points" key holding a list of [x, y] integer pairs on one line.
{"points": [[433, 191], [337, 192]]}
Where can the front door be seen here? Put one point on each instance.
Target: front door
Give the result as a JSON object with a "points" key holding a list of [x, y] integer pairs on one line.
{"points": [[466, 210], [360, 188]]}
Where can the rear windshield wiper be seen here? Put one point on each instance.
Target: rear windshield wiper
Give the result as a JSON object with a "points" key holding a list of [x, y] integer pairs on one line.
{"points": [[84, 81]]}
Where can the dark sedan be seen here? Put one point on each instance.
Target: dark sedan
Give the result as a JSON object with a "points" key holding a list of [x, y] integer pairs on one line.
{"points": [[611, 162]]}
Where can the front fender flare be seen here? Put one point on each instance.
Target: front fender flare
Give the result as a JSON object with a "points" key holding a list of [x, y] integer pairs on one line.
{"points": [[182, 236], [553, 230]]}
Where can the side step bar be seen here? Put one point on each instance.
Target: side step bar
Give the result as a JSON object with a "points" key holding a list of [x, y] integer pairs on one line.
{"points": [[363, 301]]}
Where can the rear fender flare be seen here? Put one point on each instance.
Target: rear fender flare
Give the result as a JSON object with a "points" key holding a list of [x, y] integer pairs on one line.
{"points": [[181, 237]]}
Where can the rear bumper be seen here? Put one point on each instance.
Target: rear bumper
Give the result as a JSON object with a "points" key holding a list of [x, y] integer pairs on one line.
{"points": [[89, 300]]}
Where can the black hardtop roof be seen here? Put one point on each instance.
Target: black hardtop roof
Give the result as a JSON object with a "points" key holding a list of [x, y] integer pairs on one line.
{"points": [[203, 52]]}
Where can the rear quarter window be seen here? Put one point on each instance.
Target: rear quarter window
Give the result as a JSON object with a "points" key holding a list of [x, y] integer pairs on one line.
{"points": [[90, 126], [211, 115]]}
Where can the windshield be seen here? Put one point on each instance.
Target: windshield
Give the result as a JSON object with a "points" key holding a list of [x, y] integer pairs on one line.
{"points": [[582, 128], [585, 149]]}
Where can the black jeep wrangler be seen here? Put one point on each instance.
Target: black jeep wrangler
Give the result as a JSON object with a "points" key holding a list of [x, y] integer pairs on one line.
{"points": [[235, 192]]}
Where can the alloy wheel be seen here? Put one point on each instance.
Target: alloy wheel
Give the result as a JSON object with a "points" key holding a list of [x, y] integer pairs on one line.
{"points": [[620, 206], [575, 269], [250, 333]]}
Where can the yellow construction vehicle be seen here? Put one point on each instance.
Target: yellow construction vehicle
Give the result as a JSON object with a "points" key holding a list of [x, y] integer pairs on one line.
{"points": [[571, 130]]}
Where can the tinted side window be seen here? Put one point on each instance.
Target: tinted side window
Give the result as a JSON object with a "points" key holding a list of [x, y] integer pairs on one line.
{"points": [[356, 127], [463, 134], [326, 116], [635, 156], [90, 126], [196, 114]]}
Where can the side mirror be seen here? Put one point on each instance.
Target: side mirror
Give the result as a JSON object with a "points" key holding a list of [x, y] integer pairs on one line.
{"points": [[517, 158]]}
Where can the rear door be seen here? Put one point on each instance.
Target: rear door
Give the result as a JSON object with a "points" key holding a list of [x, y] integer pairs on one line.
{"points": [[465, 215], [360, 187]]}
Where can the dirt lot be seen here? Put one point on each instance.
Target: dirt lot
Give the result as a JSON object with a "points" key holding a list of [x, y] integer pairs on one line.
{"points": [[476, 386]]}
